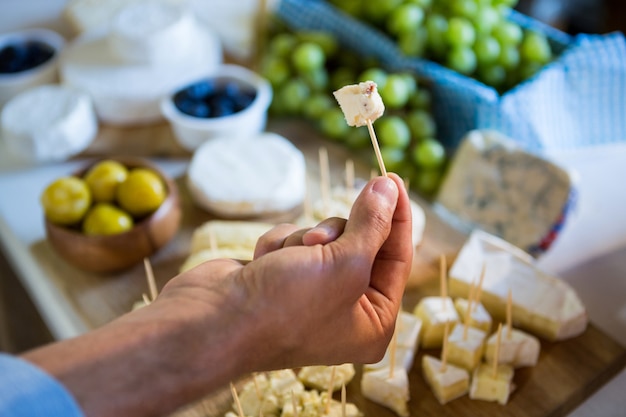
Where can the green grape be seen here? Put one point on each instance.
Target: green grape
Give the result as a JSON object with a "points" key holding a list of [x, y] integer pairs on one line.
{"points": [[421, 124], [487, 50], [460, 32], [342, 76], [378, 75], [275, 70], [437, 28], [507, 3], [393, 132], [528, 69], [493, 75], [424, 4], [292, 94], [392, 157], [333, 124], [405, 19], [358, 138], [421, 99], [395, 93], [316, 79], [316, 105], [427, 181], [413, 43], [486, 19], [509, 57], [308, 56], [351, 7], [462, 59], [282, 45], [464, 8], [409, 81], [429, 153], [325, 40], [535, 48], [378, 10], [508, 33]]}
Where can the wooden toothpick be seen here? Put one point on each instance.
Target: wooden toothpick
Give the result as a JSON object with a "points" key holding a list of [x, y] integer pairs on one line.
{"points": [[442, 278], [379, 157], [468, 317], [479, 288], [294, 404], [330, 390], [444, 350], [343, 400], [237, 402], [496, 358], [151, 281], [509, 314]]}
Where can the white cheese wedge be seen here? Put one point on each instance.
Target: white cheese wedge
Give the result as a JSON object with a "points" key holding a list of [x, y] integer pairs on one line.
{"points": [[388, 389], [480, 318], [517, 348], [128, 92], [489, 387], [360, 103], [245, 177], [406, 334], [228, 234], [495, 185], [435, 312], [543, 304], [447, 384], [48, 123], [466, 352], [319, 377]]}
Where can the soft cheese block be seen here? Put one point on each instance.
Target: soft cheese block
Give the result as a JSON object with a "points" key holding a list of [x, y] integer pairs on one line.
{"points": [[480, 317], [489, 387], [48, 123], [517, 348], [246, 177], [435, 312], [389, 389], [446, 384], [360, 103], [495, 185], [465, 347], [543, 304]]}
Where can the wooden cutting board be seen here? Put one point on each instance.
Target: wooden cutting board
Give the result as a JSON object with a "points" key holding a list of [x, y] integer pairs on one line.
{"points": [[567, 372]]}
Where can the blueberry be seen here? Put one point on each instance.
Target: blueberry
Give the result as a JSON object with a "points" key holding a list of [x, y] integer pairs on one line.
{"points": [[221, 105], [201, 90], [231, 89], [24, 56], [244, 99]]}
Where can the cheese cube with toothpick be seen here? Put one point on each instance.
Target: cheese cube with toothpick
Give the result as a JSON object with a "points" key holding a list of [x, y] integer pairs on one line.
{"points": [[407, 332], [447, 383], [320, 376], [465, 346], [435, 312], [517, 348], [360, 103], [479, 317], [389, 389], [256, 396]]}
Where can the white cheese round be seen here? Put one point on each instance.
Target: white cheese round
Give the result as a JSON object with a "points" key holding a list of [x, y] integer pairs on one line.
{"points": [[48, 123], [127, 92], [243, 177]]}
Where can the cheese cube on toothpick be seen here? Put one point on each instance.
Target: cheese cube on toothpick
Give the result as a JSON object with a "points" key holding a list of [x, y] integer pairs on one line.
{"points": [[465, 346], [479, 317], [389, 389]]}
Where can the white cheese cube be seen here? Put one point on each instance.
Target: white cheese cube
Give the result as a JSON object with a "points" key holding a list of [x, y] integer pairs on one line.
{"points": [[391, 391], [466, 352], [360, 103], [480, 317], [447, 384], [435, 312], [407, 333], [319, 377], [489, 387], [518, 349]]}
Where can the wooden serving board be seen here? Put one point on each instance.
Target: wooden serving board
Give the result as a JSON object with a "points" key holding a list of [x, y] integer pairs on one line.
{"points": [[567, 372]]}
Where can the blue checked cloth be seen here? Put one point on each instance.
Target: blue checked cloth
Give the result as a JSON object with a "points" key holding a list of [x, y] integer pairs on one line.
{"points": [[577, 100]]}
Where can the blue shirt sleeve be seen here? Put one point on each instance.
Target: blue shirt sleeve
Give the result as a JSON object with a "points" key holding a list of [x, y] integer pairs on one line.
{"points": [[27, 391]]}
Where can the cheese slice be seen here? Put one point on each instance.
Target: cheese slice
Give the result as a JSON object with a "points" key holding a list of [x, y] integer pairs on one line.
{"points": [[518, 349], [485, 386], [495, 185], [447, 384], [466, 352], [543, 304], [320, 376], [388, 389], [48, 123], [360, 103], [480, 317], [435, 312], [236, 177]]}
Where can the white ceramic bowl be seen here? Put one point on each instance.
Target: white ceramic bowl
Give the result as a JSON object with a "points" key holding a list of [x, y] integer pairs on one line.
{"points": [[14, 83], [192, 131]]}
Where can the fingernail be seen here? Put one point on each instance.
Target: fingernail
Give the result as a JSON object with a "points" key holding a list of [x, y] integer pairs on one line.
{"points": [[386, 187]]}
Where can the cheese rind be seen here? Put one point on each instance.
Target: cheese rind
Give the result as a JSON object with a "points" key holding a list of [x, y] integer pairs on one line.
{"points": [[495, 185], [388, 390], [485, 386], [518, 349], [435, 312], [360, 103], [448, 384], [246, 177], [543, 304]]}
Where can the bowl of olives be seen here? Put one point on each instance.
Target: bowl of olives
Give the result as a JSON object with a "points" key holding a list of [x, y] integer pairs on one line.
{"points": [[232, 101], [111, 213], [28, 58]]}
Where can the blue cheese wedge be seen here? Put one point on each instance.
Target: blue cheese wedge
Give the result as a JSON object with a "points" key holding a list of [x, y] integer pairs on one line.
{"points": [[543, 304], [495, 185]]}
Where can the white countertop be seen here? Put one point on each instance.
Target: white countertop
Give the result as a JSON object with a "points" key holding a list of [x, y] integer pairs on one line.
{"points": [[590, 254]]}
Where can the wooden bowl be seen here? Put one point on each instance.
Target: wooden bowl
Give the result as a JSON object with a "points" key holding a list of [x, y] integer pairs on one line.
{"points": [[105, 254]]}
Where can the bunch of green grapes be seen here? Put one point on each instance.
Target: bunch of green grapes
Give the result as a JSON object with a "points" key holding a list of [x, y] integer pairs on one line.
{"points": [[305, 68], [472, 37]]}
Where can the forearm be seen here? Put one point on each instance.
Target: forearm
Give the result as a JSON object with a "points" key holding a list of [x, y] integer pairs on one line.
{"points": [[146, 363]]}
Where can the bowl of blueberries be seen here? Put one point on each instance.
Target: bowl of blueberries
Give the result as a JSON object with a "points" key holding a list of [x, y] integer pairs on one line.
{"points": [[28, 58], [232, 101]]}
